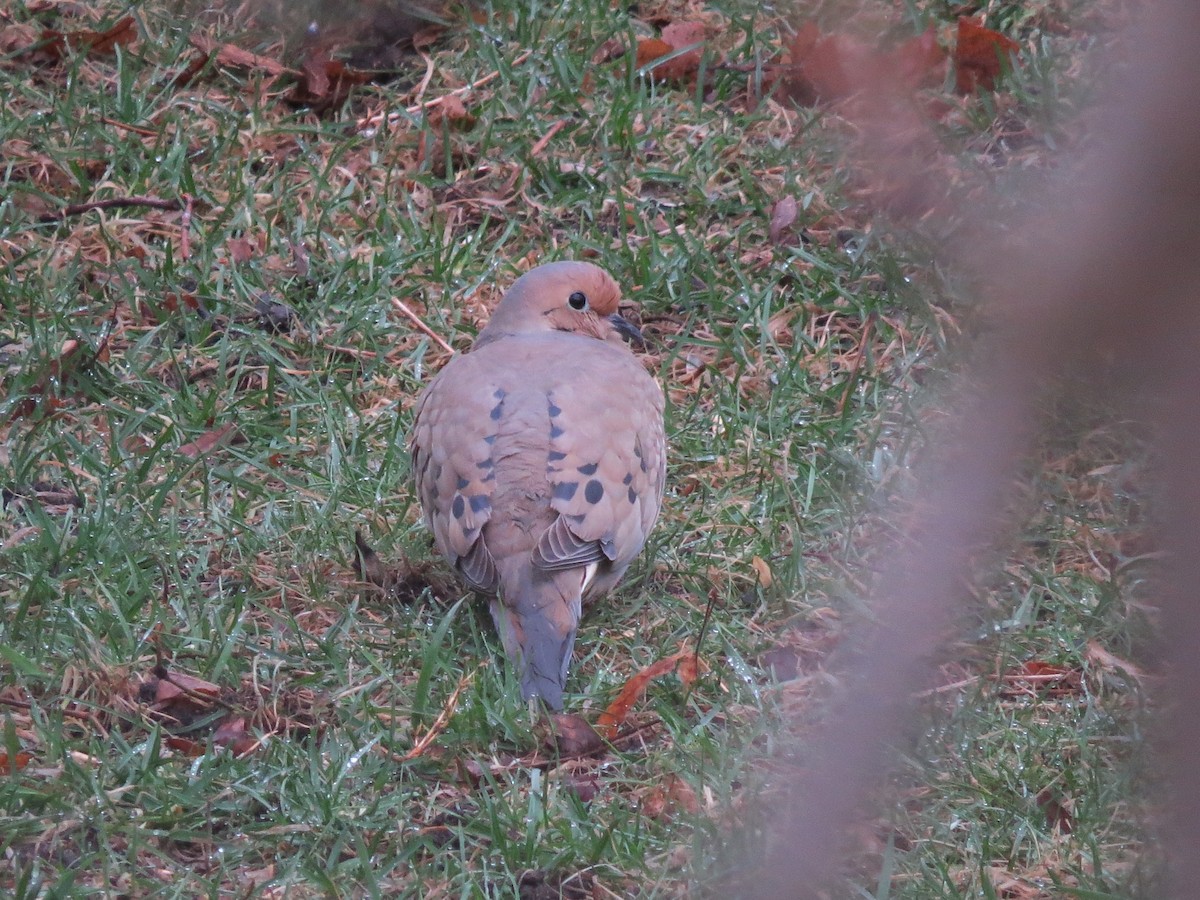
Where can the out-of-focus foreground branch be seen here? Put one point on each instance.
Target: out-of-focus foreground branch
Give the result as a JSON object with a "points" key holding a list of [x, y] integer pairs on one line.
{"points": [[1116, 269]]}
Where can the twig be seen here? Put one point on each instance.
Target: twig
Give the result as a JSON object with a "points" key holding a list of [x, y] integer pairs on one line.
{"points": [[424, 85], [125, 126], [378, 119], [858, 360], [416, 320], [69, 713], [547, 137], [440, 723], [185, 229], [76, 209]]}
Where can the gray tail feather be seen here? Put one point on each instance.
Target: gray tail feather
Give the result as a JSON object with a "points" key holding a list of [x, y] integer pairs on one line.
{"points": [[539, 637]]}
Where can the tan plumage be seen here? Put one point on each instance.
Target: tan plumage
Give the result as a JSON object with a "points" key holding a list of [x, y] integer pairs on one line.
{"points": [[539, 459]]}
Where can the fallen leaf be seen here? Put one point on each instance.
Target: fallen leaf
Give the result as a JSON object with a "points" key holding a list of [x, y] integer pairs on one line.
{"points": [[367, 564], [668, 797], [176, 685], [242, 249], [675, 37], [571, 735], [783, 216], [584, 787], [57, 44], [234, 57], [14, 764], [1098, 656], [186, 746], [325, 83], [763, 571], [453, 112], [1057, 810], [1037, 677], [234, 734], [189, 72], [980, 56], [208, 441], [272, 314], [684, 663], [613, 48]]}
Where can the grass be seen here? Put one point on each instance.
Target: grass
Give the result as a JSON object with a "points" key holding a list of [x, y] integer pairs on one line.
{"points": [[338, 741]]}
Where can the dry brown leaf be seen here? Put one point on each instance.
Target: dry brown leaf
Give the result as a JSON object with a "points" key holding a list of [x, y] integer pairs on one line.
{"points": [[57, 44], [763, 571], [234, 733], [453, 112], [208, 441], [1045, 679], [235, 57], [1098, 656], [242, 250], [1057, 810], [572, 735], [783, 216], [325, 83], [367, 564]]}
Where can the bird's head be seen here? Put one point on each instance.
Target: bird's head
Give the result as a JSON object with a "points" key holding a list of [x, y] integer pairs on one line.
{"points": [[572, 297]]}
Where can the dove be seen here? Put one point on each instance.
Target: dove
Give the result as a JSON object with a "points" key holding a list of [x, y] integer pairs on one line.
{"points": [[539, 458]]}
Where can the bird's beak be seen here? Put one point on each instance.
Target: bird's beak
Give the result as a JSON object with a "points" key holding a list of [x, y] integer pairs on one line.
{"points": [[627, 329]]}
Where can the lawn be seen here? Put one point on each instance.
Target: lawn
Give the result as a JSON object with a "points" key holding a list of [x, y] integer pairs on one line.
{"points": [[230, 660]]}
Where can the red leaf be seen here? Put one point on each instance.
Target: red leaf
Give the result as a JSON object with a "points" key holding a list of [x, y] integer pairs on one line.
{"points": [[13, 765], [980, 56], [183, 745], [675, 36], [684, 664]]}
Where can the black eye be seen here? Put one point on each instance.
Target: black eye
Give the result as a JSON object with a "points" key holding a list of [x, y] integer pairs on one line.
{"points": [[578, 300]]}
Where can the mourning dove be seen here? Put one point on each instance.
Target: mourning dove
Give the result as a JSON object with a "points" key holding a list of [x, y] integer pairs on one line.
{"points": [[539, 458]]}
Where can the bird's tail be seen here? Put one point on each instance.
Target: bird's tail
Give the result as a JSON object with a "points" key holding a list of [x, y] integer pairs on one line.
{"points": [[536, 616]]}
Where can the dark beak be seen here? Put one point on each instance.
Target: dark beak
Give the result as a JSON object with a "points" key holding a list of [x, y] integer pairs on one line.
{"points": [[627, 329]]}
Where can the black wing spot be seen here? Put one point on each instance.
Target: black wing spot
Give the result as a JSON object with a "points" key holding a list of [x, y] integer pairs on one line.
{"points": [[566, 490], [555, 433], [594, 492], [554, 410], [479, 503], [589, 469], [556, 456], [497, 411], [628, 479], [462, 483], [632, 496], [458, 507]]}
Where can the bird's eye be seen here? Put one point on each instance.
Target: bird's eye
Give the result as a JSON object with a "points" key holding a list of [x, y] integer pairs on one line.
{"points": [[578, 300]]}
